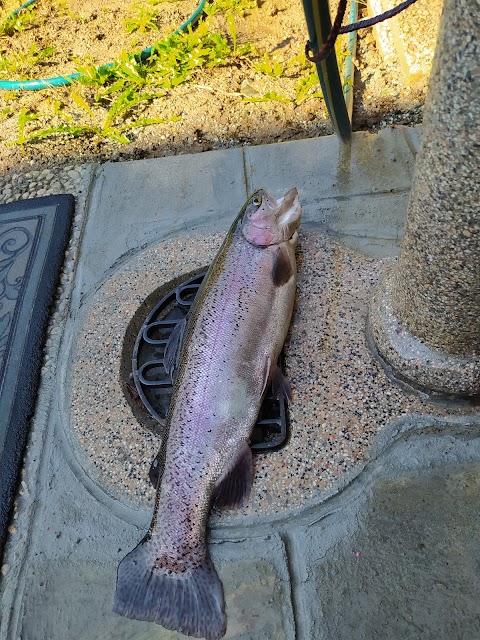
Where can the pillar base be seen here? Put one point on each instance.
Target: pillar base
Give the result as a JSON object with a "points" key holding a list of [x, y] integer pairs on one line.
{"points": [[412, 359]]}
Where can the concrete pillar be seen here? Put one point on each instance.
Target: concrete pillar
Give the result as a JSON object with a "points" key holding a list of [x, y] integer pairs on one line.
{"points": [[425, 314]]}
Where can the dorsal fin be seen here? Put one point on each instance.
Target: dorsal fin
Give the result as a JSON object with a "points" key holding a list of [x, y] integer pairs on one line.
{"points": [[173, 348]]}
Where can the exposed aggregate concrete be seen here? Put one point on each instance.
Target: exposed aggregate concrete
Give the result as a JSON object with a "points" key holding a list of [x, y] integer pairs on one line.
{"points": [[342, 395]]}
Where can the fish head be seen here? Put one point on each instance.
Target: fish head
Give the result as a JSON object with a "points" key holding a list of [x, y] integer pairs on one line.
{"points": [[268, 221]]}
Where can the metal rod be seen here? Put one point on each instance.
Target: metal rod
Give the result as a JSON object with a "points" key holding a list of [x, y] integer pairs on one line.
{"points": [[319, 26]]}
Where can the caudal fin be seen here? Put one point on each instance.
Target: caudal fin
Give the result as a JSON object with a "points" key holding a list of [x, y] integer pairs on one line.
{"points": [[190, 602]]}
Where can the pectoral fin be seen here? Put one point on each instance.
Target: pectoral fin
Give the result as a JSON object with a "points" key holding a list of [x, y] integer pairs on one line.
{"points": [[234, 486], [173, 348], [282, 267]]}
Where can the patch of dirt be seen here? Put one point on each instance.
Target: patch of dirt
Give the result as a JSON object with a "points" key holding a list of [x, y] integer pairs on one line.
{"points": [[213, 107]]}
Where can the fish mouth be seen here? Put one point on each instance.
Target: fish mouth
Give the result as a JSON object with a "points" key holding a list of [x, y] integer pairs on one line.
{"points": [[256, 226], [290, 195]]}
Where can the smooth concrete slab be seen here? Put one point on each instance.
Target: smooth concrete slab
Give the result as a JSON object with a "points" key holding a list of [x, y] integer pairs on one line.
{"points": [[393, 555], [256, 582], [372, 225], [358, 193], [33, 237], [134, 204], [71, 598], [323, 168]]}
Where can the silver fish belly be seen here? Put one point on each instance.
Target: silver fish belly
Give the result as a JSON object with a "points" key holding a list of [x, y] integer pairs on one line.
{"points": [[235, 332]]}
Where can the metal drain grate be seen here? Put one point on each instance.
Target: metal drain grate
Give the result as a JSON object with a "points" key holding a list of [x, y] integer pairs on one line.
{"points": [[154, 385]]}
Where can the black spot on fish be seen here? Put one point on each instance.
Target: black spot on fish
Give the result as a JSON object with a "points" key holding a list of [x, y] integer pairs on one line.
{"points": [[281, 268]]}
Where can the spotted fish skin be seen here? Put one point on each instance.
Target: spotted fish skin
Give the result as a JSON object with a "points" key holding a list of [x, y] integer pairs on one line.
{"points": [[236, 330]]}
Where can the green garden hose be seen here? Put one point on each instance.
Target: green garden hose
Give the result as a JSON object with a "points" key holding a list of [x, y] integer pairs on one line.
{"points": [[24, 6]]}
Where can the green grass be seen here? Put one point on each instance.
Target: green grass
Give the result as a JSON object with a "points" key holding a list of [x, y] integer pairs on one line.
{"points": [[143, 17], [172, 61], [270, 96], [63, 8], [19, 63], [117, 90], [240, 7], [307, 87], [270, 66], [24, 19], [109, 126]]}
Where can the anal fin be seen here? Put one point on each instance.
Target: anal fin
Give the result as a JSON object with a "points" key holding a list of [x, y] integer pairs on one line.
{"points": [[234, 486]]}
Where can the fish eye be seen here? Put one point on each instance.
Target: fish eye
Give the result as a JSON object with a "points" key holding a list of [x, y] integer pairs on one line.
{"points": [[257, 201]]}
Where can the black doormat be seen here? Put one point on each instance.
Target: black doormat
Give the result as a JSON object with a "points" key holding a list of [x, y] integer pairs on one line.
{"points": [[33, 237]]}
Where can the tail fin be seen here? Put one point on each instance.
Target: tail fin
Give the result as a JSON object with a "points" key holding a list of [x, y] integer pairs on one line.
{"points": [[190, 601]]}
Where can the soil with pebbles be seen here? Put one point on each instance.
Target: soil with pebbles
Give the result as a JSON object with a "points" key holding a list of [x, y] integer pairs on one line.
{"points": [[212, 110]]}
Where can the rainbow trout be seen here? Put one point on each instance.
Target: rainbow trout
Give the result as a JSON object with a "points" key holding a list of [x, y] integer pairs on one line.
{"points": [[225, 358]]}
